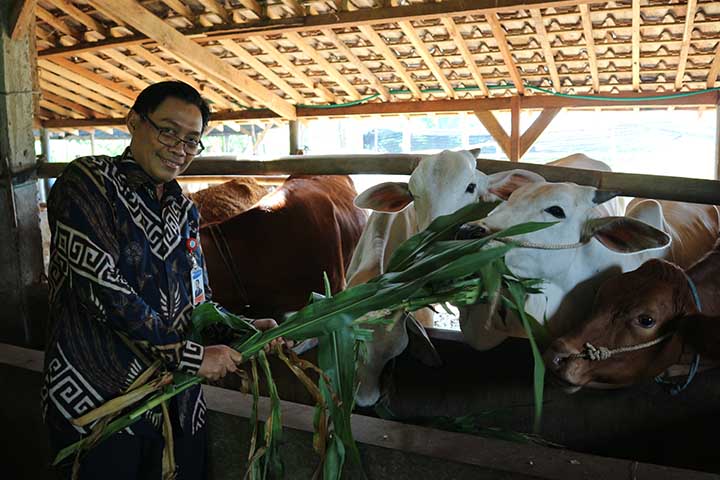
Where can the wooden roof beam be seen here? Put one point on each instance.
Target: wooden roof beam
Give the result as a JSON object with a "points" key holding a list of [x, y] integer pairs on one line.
{"points": [[78, 99], [714, 69], [427, 57], [117, 72], [457, 37], [123, 59], [65, 112], [21, 16], [538, 126], [222, 74], [319, 89], [262, 69], [590, 42], [252, 6], [365, 71], [636, 45], [487, 118], [502, 43], [100, 84], [181, 9], [64, 102], [547, 51], [55, 22], [82, 17], [217, 8], [687, 38], [389, 56], [81, 89], [332, 72]]}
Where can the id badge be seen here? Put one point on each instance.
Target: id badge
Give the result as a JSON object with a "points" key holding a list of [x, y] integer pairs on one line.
{"points": [[197, 285]]}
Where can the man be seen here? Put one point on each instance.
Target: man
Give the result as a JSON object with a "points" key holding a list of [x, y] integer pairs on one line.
{"points": [[124, 262]]}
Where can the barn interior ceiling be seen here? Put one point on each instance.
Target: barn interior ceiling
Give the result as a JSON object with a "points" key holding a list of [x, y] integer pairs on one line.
{"points": [[291, 58]]}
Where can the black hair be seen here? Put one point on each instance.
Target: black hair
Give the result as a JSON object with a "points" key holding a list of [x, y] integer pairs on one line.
{"points": [[150, 98]]}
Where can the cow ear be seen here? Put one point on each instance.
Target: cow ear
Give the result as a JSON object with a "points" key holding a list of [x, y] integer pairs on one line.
{"points": [[385, 197], [625, 235], [502, 184]]}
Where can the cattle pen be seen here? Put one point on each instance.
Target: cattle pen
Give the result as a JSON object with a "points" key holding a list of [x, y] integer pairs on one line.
{"points": [[71, 69]]}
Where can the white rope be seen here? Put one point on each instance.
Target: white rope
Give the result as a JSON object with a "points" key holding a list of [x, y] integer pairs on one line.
{"points": [[542, 246], [593, 353]]}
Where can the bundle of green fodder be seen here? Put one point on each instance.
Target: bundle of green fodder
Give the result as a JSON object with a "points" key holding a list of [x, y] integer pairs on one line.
{"points": [[429, 268]]}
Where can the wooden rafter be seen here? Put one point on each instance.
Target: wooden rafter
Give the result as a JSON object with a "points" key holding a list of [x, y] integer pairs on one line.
{"points": [[547, 51], [502, 44], [262, 69], [82, 17], [125, 60], [64, 102], [115, 71], [455, 34], [340, 19], [636, 45], [223, 75], [332, 72], [253, 6], [427, 57], [295, 71], [524, 141], [350, 56], [182, 9], [215, 7], [74, 97], [21, 18], [687, 37], [390, 57], [158, 61], [64, 111], [590, 42], [515, 128], [55, 22], [714, 69], [76, 87], [100, 84]]}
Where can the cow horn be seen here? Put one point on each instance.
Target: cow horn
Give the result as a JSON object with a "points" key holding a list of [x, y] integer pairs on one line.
{"points": [[602, 196]]}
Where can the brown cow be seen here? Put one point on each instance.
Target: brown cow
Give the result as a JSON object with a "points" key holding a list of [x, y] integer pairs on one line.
{"points": [[273, 256], [220, 202], [643, 322]]}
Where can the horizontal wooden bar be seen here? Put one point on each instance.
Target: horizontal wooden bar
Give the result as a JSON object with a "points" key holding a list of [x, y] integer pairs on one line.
{"points": [[502, 456], [434, 106], [626, 184]]}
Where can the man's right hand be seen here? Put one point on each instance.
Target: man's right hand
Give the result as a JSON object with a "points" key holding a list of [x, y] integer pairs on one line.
{"points": [[218, 361]]}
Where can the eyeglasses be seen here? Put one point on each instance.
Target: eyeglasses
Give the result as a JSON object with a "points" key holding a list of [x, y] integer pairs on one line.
{"points": [[167, 137]]}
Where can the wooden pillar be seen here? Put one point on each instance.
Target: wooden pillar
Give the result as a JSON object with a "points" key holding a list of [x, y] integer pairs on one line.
{"points": [[717, 142], [21, 266], [294, 137], [515, 128]]}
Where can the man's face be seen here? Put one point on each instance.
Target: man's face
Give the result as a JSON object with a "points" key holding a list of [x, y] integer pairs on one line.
{"points": [[177, 117]]}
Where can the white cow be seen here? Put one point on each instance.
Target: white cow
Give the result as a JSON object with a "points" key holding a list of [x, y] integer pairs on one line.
{"points": [[574, 256], [440, 185]]}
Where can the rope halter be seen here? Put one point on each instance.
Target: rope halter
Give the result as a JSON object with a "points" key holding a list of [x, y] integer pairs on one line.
{"points": [[541, 246]]}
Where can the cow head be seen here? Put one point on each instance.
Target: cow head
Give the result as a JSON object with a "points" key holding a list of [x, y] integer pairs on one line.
{"points": [[573, 208], [630, 310], [442, 184]]}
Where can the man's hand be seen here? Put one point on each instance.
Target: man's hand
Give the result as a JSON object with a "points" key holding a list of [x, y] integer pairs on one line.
{"points": [[263, 324], [218, 361]]}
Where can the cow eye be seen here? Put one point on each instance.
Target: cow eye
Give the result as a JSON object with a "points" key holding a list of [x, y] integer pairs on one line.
{"points": [[646, 321], [470, 188], [556, 211]]}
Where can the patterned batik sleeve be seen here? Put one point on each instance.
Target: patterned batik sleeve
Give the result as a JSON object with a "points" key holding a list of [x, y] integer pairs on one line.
{"points": [[84, 255]]}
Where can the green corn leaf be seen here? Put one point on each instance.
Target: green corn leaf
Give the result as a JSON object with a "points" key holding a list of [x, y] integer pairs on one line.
{"points": [[518, 295], [273, 425]]}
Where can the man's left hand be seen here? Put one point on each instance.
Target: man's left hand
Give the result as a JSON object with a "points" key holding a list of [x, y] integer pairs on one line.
{"points": [[264, 324]]}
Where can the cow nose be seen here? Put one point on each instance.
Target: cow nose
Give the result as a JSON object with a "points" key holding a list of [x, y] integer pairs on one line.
{"points": [[471, 230], [556, 357]]}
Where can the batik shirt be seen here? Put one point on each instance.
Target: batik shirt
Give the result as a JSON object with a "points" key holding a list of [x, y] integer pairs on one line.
{"points": [[120, 293]]}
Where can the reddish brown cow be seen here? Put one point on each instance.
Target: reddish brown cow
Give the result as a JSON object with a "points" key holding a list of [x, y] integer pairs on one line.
{"points": [[273, 256], [220, 202], [647, 320]]}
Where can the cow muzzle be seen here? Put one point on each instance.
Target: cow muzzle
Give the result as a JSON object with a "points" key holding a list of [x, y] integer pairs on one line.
{"points": [[469, 231], [560, 359]]}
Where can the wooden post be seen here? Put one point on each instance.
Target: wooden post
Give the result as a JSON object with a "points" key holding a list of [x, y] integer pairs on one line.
{"points": [[717, 142], [515, 128], [294, 137], [21, 265]]}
